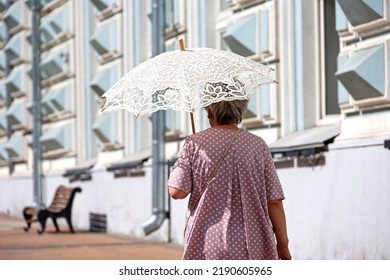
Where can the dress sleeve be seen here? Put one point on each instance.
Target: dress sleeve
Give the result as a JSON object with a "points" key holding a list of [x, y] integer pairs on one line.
{"points": [[181, 175], [273, 185]]}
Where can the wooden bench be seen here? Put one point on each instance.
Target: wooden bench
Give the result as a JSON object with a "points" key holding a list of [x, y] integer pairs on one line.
{"points": [[61, 207]]}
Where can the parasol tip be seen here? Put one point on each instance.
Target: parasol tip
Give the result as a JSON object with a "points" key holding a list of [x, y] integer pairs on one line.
{"points": [[181, 45]]}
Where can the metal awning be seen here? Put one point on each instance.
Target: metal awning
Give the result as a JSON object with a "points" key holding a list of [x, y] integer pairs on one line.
{"points": [[135, 161], [81, 172], [306, 142]]}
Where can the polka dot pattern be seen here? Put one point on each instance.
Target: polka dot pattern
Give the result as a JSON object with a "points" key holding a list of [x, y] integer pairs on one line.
{"points": [[231, 220]]}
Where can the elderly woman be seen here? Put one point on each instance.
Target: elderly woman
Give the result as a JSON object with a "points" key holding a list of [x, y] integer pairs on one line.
{"points": [[235, 209]]}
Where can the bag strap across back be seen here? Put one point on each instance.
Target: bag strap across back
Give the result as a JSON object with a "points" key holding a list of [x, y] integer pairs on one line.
{"points": [[214, 170]]}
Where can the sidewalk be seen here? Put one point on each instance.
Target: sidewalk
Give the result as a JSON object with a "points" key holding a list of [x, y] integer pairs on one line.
{"points": [[15, 244]]}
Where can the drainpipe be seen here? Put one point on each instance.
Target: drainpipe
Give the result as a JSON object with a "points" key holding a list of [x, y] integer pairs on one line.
{"points": [[36, 108], [159, 212]]}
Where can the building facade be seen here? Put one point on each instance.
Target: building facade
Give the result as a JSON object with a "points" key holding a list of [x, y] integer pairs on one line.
{"points": [[327, 120]]}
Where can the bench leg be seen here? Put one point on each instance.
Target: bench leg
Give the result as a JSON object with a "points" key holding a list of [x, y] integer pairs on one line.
{"points": [[28, 214], [42, 217], [55, 224], [69, 220]]}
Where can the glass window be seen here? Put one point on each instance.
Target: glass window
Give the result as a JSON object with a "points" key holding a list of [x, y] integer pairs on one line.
{"points": [[56, 138], [105, 39], [357, 76], [104, 4], [14, 48], [252, 34], [15, 147], [14, 81], [55, 24], [174, 17], [239, 36], [259, 105], [104, 78], [3, 93], [3, 32], [3, 122], [3, 154], [13, 16], [15, 114], [105, 128], [363, 11], [172, 120], [55, 62]]}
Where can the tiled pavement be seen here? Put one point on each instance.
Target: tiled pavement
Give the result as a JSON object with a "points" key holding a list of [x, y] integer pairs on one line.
{"points": [[16, 244]]}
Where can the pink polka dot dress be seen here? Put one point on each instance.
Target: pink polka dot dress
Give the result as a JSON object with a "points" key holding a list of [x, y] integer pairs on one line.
{"points": [[231, 220]]}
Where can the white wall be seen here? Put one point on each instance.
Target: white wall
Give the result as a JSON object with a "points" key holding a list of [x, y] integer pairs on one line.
{"points": [[339, 211]]}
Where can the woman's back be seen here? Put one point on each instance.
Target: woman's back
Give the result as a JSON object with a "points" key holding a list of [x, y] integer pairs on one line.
{"points": [[231, 220]]}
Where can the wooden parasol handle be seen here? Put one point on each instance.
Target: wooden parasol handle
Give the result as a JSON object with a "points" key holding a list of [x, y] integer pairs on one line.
{"points": [[182, 48], [181, 45]]}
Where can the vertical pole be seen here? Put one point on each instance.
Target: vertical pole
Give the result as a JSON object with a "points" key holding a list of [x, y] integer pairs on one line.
{"points": [[158, 123], [36, 145]]}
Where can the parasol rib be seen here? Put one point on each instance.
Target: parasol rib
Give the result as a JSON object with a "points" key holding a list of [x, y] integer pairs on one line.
{"points": [[182, 48]]}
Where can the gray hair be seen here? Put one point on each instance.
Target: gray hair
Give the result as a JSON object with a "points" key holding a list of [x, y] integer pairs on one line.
{"points": [[227, 112]]}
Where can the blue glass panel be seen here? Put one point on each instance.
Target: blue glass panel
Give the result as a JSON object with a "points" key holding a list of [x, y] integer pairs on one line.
{"points": [[265, 100], [57, 138], [105, 38], [102, 4], [55, 23], [15, 113], [363, 75], [13, 15], [105, 127], [14, 146], [53, 139], [14, 80], [14, 47], [46, 108], [3, 91], [45, 33], [253, 105], [376, 5], [375, 59], [172, 13], [341, 19], [264, 44], [3, 152], [172, 120], [3, 5], [51, 68], [3, 32], [60, 98], [45, 2], [104, 79], [54, 63], [3, 61], [343, 96], [3, 121], [240, 36], [359, 12]]}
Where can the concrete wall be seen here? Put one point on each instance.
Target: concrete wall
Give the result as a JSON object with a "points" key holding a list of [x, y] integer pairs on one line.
{"points": [[339, 211]]}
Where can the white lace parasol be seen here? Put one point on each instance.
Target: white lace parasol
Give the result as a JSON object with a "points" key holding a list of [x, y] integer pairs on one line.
{"points": [[186, 80]]}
